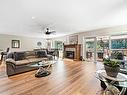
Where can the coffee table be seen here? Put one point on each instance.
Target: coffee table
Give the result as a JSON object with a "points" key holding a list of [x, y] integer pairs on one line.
{"points": [[43, 68], [112, 83]]}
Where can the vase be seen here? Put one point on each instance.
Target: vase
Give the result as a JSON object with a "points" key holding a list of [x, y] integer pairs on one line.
{"points": [[112, 71]]}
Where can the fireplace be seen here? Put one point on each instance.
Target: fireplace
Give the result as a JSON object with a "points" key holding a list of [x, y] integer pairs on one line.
{"points": [[69, 54], [72, 51]]}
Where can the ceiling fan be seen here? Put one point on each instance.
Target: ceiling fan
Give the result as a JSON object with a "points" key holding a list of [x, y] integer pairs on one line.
{"points": [[48, 32]]}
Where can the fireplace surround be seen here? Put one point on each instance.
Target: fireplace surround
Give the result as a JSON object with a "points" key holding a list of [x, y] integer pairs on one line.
{"points": [[69, 54], [72, 51]]}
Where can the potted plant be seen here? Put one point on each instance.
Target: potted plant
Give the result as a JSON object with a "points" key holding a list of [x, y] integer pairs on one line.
{"points": [[112, 67]]}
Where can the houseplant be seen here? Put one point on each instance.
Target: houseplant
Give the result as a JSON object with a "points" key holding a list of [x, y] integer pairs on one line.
{"points": [[112, 67]]}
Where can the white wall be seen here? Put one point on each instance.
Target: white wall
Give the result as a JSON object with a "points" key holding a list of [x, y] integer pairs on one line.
{"points": [[26, 43]]}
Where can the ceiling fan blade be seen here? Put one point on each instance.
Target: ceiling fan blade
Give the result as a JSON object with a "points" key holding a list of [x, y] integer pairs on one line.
{"points": [[53, 31], [48, 31]]}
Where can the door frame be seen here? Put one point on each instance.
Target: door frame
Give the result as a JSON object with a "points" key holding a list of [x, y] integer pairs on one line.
{"points": [[84, 48]]}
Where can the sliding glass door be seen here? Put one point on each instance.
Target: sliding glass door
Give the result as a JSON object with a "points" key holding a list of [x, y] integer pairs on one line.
{"points": [[96, 48], [90, 49], [102, 47]]}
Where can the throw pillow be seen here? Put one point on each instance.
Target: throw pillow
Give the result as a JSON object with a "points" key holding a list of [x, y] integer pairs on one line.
{"points": [[19, 56]]}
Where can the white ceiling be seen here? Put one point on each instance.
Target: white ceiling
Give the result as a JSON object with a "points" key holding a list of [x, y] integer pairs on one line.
{"points": [[63, 16]]}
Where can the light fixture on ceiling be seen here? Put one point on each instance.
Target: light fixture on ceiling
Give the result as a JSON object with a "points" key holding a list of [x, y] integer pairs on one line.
{"points": [[48, 32], [33, 17], [44, 28]]}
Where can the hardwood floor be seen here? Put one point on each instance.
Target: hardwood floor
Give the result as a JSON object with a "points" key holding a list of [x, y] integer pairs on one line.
{"points": [[67, 78]]}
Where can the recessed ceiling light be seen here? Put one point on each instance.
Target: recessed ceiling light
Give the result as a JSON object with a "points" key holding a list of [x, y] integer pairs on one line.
{"points": [[33, 17]]}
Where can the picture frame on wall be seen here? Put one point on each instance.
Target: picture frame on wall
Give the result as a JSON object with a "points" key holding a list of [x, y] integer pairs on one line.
{"points": [[15, 44], [73, 39]]}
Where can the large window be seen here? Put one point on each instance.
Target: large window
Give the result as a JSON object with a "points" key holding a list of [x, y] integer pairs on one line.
{"points": [[119, 42], [104, 46]]}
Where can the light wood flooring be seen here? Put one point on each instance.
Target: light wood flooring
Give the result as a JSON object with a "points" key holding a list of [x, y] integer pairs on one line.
{"points": [[67, 78]]}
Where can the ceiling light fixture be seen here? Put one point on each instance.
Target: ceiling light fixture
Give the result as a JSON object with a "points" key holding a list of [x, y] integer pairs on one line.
{"points": [[33, 17]]}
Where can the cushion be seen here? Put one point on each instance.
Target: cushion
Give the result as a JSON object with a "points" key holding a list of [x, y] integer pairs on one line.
{"points": [[10, 60], [30, 53], [10, 55], [28, 57], [41, 53], [35, 59], [19, 56], [22, 62]]}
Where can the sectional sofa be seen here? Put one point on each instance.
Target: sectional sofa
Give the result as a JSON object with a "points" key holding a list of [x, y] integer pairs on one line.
{"points": [[18, 62]]}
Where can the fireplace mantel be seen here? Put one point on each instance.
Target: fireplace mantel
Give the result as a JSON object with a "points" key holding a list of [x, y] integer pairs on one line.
{"points": [[73, 47]]}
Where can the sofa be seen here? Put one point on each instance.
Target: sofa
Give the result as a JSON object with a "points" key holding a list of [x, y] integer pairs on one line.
{"points": [[18, 62]]}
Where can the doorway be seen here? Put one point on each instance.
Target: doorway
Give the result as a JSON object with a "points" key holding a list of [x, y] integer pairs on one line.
{"points": [[102, 48], [59, 46], [90, 49], [96, 48]]}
